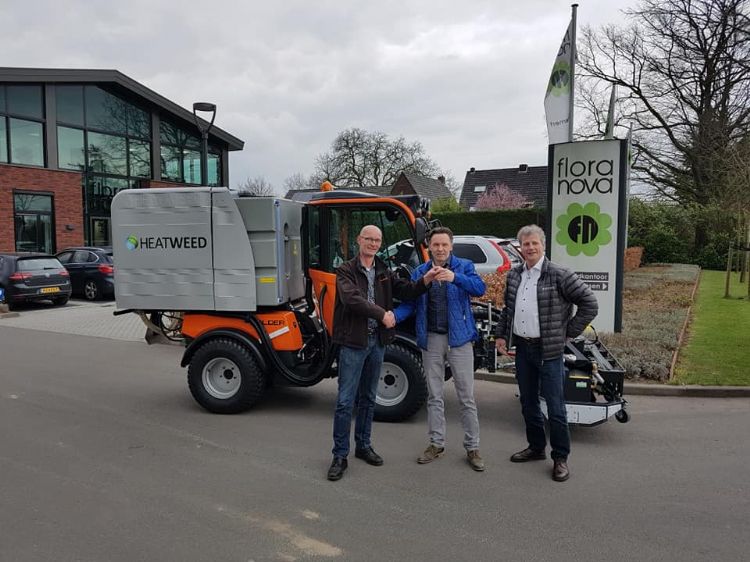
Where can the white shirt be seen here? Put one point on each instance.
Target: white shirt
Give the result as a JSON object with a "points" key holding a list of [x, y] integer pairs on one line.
{"points": [[526, 318]]}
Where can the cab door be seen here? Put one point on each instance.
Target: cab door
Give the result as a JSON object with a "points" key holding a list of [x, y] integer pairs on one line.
{"points": [[331, 230]]}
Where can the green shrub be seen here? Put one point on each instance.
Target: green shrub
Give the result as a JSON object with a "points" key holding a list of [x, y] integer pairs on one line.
{"points": [[667, 233]]}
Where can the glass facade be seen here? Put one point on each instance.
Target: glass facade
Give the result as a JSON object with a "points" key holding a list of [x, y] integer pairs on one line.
{"points": [[102, 134]]}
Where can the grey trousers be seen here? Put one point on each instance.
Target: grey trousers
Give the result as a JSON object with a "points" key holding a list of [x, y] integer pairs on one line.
{"points": [[461, 360]]}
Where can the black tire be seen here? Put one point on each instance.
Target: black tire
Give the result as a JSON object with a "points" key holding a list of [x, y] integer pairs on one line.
{"points": [[622, 416], [224, 377], [60, 301], [91, 290], [402, 389]]}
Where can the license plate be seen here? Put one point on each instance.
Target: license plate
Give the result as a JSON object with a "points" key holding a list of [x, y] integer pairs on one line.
{"points": [[48, 290]]}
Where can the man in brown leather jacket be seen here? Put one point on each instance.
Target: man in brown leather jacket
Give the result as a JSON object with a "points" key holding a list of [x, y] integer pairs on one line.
{"points": [[363, 325]]}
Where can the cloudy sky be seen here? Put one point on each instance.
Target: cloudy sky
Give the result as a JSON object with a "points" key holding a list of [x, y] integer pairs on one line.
{"points": [[466, 79]]}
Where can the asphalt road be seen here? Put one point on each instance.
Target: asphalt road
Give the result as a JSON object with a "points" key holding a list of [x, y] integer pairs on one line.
{"points": [[105, 456]]}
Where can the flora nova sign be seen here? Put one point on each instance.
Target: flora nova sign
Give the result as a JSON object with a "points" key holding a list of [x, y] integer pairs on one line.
{"points": [[587, 218]]}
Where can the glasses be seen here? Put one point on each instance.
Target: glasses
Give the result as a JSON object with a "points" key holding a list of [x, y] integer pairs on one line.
{"points": [[372, 240]]}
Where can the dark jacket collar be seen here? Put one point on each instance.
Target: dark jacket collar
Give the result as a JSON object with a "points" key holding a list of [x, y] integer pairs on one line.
{"points": [[379, 264]]}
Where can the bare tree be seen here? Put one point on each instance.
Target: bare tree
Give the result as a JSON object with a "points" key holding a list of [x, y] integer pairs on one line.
{"points": [[683, 68], [298, 181], [453, 185], [500, 196], [256, 187], [360, 158]]}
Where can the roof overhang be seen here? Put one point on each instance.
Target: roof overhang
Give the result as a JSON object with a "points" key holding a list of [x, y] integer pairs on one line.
{"points": [[95, 76]]}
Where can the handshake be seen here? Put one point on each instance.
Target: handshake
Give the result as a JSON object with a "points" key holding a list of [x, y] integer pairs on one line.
{"points": [[389, 319]]}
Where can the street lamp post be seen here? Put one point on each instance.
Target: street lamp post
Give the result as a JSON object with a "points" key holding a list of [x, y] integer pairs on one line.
{"points": [[204, 129]]}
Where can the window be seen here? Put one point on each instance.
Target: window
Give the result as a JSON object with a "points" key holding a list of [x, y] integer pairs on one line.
{"points": [[81, 256], [32, 202], [107, 154], [191, 166], [139, 122], [99, 194], [479, 188], [33, 221], [171, 170], [65, 257], [140, 158], [214, 169], [181, 156], [175, 136], [70, 150], [37, 264], [26, 142], [105, 111], [345, 225], [470, 252], [25, 101], [3, 141], [69, 104], [313, 237]]}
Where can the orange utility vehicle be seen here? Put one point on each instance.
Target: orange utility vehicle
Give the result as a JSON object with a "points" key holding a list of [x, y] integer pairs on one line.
{"points": [[254, 280]]}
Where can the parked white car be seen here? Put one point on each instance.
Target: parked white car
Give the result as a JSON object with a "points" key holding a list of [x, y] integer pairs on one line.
{"points": [[486, 252]]}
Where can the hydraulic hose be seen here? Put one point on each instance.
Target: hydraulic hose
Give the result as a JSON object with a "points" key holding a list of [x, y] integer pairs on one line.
{"points": [[276, 361]]}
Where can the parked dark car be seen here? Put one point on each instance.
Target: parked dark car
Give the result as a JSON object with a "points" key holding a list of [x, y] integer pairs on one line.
{"points": [[30, 277], [92, 271]]}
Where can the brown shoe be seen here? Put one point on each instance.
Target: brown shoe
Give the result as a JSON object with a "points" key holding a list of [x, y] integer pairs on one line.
{"points": [[431, 453], [528, 455], [475, 460], [560, 472]]}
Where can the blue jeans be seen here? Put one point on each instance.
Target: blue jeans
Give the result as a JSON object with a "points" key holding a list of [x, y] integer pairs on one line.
{"points": [[359, 373], [546, 377]]}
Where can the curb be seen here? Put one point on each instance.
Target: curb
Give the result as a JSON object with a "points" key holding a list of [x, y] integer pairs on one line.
{"points": [[8, 314], [643, 389]]}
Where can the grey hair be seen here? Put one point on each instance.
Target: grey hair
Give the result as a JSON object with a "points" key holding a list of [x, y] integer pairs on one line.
{"points": [[530, 229]]}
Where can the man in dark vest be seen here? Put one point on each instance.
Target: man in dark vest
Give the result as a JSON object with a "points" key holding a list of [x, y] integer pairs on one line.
{"points": [[538, 317]]}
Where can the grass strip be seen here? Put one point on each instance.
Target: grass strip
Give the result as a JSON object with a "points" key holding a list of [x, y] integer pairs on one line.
{"points": [[717, 349]]}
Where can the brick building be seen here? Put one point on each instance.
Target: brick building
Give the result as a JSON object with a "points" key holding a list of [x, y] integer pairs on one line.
{"points": [[71, 139]]}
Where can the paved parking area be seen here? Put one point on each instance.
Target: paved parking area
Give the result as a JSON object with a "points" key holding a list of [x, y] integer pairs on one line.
{"points": [[79, 317]]}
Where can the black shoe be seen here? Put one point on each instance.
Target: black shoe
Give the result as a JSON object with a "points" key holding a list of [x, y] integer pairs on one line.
{"points": [[338, 466], [369, 456], [528, 455], [560, 472]]}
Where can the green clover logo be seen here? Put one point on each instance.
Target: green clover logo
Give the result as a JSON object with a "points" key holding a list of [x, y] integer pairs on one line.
{"points": [[583, 228], [559, 80]]}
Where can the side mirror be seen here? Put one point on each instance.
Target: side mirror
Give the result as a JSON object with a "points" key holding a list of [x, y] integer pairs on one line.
{"points": [[421, 227]]}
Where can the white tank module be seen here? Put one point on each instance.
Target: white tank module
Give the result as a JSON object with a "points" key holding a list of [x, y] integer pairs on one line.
{"points": [[205, 248]]}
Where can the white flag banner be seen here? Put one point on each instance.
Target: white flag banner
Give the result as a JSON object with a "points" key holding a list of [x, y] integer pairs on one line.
{"points": [[557, 100]]}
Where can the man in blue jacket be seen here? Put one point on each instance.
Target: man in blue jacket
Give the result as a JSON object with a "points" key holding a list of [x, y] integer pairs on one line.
{"points": [[445, 332]]}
